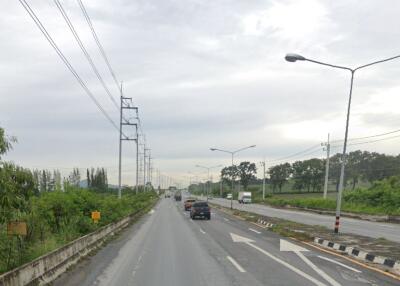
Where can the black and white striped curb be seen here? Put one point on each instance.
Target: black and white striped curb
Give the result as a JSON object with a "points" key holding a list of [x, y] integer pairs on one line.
{"points": [[264, 222], [359, 253]]}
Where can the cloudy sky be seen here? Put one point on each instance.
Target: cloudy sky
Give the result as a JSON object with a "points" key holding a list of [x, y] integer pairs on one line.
{"points": [[204, 74]]}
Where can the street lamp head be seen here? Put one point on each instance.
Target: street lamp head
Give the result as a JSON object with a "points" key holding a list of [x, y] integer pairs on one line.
{"points": [[252, 146], [213, 149], [294, 57]]}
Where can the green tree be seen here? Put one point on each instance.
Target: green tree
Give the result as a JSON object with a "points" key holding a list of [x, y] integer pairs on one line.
{"points": [[279, 175], [229, 174], [246, 172]]}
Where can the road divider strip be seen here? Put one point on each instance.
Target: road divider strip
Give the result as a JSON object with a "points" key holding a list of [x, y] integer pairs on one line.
{"points": [[359, 254], [264, 222]]}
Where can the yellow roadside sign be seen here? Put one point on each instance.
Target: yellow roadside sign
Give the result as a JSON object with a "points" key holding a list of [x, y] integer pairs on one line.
{"points": [[95, 216], [16, 228]]}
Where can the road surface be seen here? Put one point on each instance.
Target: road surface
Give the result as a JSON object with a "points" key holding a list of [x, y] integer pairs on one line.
{"points": [[167, 248], [389, 231]]}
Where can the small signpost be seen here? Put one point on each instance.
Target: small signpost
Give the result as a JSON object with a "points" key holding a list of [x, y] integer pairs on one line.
{"points": [[96, 216], [17, 228]]}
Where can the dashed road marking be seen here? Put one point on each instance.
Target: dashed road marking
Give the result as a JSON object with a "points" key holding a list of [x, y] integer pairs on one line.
{"points": [[339, 263], [202, 231], [237, 265], [253, 230], [225, 219]]}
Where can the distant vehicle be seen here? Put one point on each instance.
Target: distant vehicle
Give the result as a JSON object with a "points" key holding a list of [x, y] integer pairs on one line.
{"points": [[178, 196], [229, 196], [200, 209], [188, 203], [244, 198]]}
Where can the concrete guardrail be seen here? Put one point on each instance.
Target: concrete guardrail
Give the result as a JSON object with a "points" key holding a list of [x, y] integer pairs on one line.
{"points": [[49, 266]]}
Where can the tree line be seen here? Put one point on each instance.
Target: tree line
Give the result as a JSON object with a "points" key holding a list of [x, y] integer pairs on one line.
{"points": [[361, 166], [244, 173]]}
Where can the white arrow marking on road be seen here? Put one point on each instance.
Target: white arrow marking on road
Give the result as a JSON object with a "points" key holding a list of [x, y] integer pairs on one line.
{"points": [[249, 242], [288, 246], [339, 263]]}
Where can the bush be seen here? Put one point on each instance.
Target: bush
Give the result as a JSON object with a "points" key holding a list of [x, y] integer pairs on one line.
{"points": [[55, 218]]}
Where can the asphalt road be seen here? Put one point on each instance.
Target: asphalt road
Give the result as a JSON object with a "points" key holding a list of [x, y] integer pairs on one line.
{"points": [[167, 248], [389, 231]]}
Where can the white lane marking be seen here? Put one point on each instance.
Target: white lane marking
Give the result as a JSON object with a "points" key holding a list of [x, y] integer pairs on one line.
{"points": [[202, 231], [253, 230], [133, 273], [286, 245], [237, 265], [316, 269], [225, 219], [339, 263], [151, 211], [249, 242]]}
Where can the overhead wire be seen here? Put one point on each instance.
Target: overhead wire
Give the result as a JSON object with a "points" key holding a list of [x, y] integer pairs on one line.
{"points": [[371, 136], [65, 61], [85, 52], [99, 45], [296, 154]]}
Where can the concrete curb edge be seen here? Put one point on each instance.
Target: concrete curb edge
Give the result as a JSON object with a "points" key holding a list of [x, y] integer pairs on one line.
{"points": [[362, 255]]}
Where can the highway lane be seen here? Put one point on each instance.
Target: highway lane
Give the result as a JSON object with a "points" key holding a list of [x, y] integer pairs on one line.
{"points": [[348, 225], [168, 248]]}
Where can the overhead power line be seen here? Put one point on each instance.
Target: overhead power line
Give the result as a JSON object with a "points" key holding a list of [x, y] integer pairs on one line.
{"points": [[296, 154], [85, 52], [65, 61], [367, 142], [371, 136], [99, 45]]}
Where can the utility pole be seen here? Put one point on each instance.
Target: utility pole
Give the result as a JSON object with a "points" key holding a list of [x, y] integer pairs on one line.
{"points": [[149, 179], [125, 104], [327, 148], [137, 160], [120, 146], [263, 188], [144, 167], [220, 187]]}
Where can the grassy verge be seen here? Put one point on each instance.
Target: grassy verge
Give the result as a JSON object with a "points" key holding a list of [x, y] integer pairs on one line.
{"points": [[330, 204], [57, 218]]}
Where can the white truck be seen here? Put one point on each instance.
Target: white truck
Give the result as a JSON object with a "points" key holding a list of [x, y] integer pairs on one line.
{"points": [[244, 197]]}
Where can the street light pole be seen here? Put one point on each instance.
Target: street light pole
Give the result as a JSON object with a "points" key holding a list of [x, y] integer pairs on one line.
{"points": [[328, 149], [232, 154], [296, 57]]}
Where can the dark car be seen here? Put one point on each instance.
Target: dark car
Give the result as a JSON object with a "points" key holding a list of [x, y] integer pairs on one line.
{"points": [[200, 209]]}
